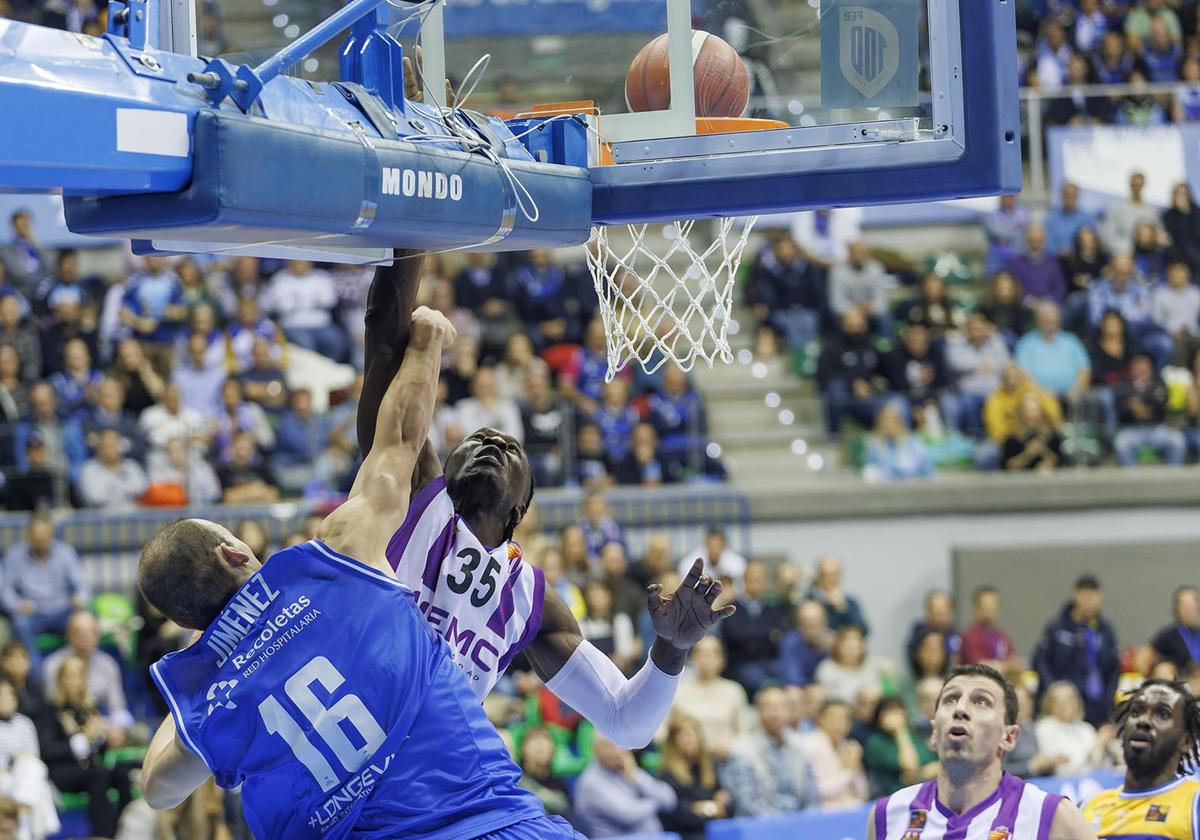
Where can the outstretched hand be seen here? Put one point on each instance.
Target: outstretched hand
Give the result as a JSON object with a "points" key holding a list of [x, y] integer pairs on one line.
{"points": [[685, 616]]}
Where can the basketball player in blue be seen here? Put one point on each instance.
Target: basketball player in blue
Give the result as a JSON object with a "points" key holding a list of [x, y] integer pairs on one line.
{"points": [[315, 683], [972, 798], [455, 550]]}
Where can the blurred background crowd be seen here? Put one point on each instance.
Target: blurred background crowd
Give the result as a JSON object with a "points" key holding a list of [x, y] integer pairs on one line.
{"points": [[787, 708]]}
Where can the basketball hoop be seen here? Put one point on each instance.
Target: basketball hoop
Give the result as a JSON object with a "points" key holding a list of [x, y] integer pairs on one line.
{"points": [[676, 305]]}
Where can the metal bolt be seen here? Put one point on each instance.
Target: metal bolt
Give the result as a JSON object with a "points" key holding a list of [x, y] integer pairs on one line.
{"points": [[138, 16], [149, 62], [209, 81]]}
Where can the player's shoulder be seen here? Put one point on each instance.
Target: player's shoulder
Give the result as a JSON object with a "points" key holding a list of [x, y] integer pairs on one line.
{"points": [[1101, 801]]}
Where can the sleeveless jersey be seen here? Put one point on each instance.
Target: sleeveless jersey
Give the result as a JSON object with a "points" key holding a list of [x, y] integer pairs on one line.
{"points": [[321, 689], [1167, 811], [486, 603], [1016, 810]]}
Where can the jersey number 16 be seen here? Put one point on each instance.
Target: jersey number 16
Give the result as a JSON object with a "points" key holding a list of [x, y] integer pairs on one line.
{"points": [[325, 721]]}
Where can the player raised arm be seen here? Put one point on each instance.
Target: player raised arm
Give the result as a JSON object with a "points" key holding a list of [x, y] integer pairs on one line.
{"points": [[627, 712], [379, 498]]}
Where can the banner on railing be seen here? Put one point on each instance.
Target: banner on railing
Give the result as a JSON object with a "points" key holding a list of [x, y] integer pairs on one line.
{"points": [[1100, 159], [492, 18], [851, 823]]}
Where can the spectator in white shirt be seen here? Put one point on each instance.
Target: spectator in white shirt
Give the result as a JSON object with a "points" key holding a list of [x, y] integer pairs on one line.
{"points": [[177, 463], [719, 704], [303, 299], [1175, 307], [485, 408], [23, 776], [1062, 731], [110, 480], [862, 282], [720, 561], [825, 235], [1122, 217], [169, 419]]}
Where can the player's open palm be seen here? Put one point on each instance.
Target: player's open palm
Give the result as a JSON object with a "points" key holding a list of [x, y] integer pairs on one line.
{"points": [[685, 616]]}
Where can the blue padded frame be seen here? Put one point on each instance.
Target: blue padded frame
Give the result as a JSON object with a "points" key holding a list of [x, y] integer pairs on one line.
{"points": [[982, 159], [317, 184]]}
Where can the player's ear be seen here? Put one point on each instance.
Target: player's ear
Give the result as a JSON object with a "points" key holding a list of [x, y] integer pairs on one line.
{"points": [[233, 557], [1009, 742], [514, 519]]}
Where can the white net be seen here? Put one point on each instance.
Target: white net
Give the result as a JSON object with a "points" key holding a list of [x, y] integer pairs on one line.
{"points": [[674, 305]]}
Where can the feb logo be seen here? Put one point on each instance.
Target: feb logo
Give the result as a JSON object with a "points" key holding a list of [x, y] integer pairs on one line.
{"points": [[218, 695], [869, 49], [999, 833], [1157, 813]]}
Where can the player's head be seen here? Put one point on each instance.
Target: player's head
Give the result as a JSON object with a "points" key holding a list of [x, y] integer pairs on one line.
{"points": [[191, 568], [488, 475], [975, 723], [1159, 725]]}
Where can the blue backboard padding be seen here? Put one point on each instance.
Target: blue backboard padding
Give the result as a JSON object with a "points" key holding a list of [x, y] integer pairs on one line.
{"points": [[783, 181], [260, 181], [496, 18], [851, 823]]}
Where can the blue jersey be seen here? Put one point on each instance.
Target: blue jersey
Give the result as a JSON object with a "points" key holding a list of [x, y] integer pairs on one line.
{"points": [[322, 690]]}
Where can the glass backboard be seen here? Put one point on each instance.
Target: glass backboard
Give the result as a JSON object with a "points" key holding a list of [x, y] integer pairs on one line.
{"points": [[856, 88]]}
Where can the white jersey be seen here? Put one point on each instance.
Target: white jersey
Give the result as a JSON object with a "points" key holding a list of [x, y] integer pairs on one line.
{"points": [[486, 603], [1016, 810]]}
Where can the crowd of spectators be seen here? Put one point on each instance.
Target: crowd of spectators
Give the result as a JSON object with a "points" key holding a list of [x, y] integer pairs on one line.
{"points": [[789, 706], [786, 708], [1069, 44], [177, 383], [90, 17], [1080, 345]]}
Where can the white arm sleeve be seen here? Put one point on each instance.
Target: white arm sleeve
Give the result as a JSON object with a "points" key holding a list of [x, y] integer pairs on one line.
{"points": [[627, 712]]}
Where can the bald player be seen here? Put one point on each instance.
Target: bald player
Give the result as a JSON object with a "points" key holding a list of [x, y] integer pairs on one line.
{"points": [[315, 683]]}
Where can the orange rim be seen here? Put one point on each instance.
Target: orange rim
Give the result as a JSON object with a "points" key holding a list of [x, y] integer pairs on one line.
{"points": [[710, 125], [731, 125]]}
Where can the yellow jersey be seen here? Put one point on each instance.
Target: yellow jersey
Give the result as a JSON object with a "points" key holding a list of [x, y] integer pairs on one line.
{"points": [[1167, 811]]}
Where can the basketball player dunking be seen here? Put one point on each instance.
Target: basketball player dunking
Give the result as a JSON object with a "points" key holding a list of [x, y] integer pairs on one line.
{"points": [[455, 550], [972, 798]]}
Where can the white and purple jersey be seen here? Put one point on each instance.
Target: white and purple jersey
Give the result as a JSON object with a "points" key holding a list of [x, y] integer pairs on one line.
{"points": [[486, 603], [1016, 810]]}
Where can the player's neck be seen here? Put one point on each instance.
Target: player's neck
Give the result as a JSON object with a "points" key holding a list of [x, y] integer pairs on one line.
{"points": [[960, 787], [1138, 781], [488, 529]]}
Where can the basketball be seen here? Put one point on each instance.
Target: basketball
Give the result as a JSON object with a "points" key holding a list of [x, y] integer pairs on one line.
{"points": [[722, 83]]}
